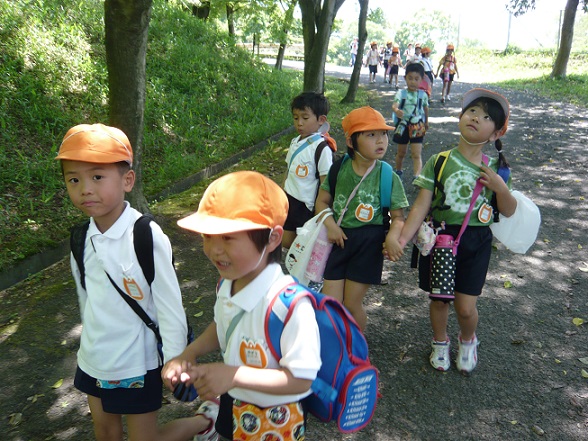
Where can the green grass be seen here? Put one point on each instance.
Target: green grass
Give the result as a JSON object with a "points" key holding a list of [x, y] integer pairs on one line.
{"points": [[206, 100]]}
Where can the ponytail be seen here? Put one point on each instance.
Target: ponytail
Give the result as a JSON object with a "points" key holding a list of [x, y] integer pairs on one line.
{"points": [[502, 162]]}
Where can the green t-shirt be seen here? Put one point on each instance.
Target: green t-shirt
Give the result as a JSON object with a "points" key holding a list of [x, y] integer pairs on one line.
{"points": [[459, 179], [364, 208]]}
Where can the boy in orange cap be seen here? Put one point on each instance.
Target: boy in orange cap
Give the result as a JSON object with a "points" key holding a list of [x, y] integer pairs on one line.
{"points": [[356, 260], [118, 361], [240, 218], [449, 65]]}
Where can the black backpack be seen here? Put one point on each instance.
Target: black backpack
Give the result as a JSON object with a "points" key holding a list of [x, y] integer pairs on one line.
{"points": [[143, 245]]}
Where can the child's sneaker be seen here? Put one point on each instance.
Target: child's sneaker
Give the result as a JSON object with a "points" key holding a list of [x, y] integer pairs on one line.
{"points": [[440, 355], [467, 355], [209, 410]]}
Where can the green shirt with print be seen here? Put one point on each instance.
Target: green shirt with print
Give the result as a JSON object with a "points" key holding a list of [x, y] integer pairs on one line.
{"points": [[364, 208], [459, 179]]}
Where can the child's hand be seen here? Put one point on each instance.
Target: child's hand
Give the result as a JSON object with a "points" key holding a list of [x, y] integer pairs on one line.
{"points": [[492, 180], [336, 235], [399, 113], [392, 249], [172, 371], [212, 379]]}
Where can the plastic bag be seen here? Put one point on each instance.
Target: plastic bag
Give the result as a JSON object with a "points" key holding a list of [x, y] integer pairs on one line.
{"points": [[519, 231], [301, 249]]}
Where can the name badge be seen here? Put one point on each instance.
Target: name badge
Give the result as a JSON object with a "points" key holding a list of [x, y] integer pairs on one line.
{"points": [[485, 213]]}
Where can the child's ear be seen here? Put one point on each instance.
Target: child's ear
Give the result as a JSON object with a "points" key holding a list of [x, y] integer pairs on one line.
{"points": [[494, 136], [129, 180], [348, 142], [322, 119], [275, 238]]}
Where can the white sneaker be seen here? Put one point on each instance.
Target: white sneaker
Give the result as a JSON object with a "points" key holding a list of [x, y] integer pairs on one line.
{"points": [[467, 355], [209, 410], [448, 97], [440, 355]]}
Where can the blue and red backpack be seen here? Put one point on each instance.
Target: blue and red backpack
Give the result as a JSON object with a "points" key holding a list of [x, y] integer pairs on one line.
{"points": [[346, 387]]}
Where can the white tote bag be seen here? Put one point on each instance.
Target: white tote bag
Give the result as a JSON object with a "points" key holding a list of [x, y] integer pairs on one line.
{"points": [[519, 231], [299, 253]]}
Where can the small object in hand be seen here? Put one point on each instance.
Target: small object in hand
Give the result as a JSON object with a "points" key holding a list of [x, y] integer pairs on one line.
{"points": [[185, 392]]}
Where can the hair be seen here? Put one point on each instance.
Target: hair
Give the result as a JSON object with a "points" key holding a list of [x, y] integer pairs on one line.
{"points": [[316, 102], [415, 67], [351, 150], [123, 167], [496, 113], [260, 239]]}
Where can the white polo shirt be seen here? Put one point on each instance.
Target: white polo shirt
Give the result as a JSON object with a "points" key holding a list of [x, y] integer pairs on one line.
{"points": [[247, 345], [301, 181], [115, 343]]}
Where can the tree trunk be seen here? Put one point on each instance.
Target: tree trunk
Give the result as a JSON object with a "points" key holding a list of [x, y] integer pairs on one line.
{"points": [[126, 28], [317, 23], [565, 45], [288, 19], [362, 37], [231, 19]]}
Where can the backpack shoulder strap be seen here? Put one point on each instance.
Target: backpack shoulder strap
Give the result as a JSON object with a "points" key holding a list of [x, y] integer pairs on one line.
{"points": [[386, 182], [77, 242], [334, 173], [317, 157], [143, 244], [279, 312], [306, 143]]}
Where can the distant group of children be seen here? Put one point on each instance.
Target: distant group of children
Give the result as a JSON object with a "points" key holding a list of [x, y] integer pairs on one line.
{"points": [[244, 220]]}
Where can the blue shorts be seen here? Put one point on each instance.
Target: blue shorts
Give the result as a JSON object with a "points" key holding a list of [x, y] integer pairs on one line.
{"points": [[121, 400], [361, 260], [471, 263], [298, 214]]}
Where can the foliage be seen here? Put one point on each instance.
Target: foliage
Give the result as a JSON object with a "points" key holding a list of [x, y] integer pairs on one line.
{"points": [[213, 102]]}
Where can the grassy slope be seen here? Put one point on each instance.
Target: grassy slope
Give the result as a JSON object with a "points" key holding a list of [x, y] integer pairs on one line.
{"points": [[205, 101]]}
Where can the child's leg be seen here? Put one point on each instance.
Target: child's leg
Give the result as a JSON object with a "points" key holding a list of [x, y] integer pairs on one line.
{"points": [[467, 315], [353, 301], [448, 87], [438, 314], [400, 154], [143, 426], [334, 288], [183, 428], [417, 162], [107, 426]]}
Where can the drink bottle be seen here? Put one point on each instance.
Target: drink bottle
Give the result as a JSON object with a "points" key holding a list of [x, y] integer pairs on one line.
{"points": [[319, 256], [443, 268]]}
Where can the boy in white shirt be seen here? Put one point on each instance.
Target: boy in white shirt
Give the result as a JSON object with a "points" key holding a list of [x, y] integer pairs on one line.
{"points": [[307, 169]]}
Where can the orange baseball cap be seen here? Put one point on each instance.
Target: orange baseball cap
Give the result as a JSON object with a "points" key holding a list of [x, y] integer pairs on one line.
{"points": [[426, 50], [239, 201], [363, 119], [479, 92], [96, 143], [450, 47]]}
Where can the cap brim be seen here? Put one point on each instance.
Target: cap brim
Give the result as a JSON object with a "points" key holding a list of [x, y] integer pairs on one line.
{"points": [[474, 94], [206, 224]]}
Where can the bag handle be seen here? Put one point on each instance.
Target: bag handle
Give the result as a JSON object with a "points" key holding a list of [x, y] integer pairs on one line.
{"points": [[466, 220]]}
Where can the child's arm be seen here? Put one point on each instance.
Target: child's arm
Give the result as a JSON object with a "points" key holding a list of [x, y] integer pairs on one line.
{"points": [[212, 380], [507, 204], [392, 248], [426, 109], [204, 344], [398, 112], [417, 215], [335, 233]]}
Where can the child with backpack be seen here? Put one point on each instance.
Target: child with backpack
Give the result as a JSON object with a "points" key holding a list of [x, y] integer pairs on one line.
{"points": [[356, 261], [309, 158], [449, 184], [240, 218], [449, 65], [118, 361], [410, 111]]}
